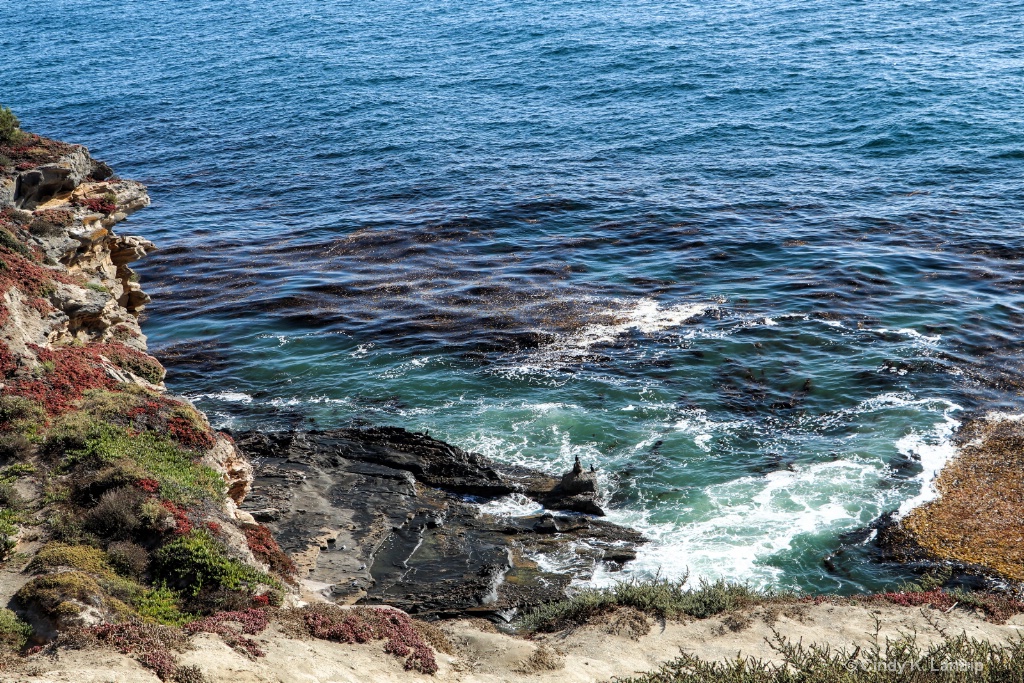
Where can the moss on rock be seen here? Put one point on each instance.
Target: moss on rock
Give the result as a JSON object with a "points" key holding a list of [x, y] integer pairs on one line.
{"points": [[976, 519]]}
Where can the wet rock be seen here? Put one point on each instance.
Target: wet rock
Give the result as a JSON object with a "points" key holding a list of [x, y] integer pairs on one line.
{"points": [[578, 481], [577, 491], [546, 525], [387, 516]]}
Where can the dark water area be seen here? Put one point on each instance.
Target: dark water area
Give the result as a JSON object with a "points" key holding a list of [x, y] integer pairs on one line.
{"points": [[754, 261]]}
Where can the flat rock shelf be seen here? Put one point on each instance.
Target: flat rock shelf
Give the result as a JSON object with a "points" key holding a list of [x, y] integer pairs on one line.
{"points": [[384, 515]]}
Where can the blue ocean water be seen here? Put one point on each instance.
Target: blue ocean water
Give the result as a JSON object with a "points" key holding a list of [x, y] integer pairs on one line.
{"points": [[753, 260]]}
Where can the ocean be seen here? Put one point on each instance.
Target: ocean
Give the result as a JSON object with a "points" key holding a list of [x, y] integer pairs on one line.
{"points": [[754, 261]]}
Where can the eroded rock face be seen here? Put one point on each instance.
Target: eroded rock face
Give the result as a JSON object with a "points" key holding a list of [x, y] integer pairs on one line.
{"points": [[36, 185], [96, 298], [383, 515], [236, 469]]}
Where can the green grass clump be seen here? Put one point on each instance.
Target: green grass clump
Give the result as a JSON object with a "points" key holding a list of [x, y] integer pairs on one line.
{"points": [[197, 562], [17, 470], [160, 605], [660, 598], [958, 659], [14, 632], [19, 415], [14, 244], [9, 520], [95, 444]]}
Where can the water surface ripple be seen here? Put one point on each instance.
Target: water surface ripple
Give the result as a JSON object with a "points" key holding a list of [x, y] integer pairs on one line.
{"points": [[753, 260]]}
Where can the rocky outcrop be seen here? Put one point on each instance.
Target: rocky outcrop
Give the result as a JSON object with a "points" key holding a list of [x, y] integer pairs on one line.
{"points": [[94, 295], [576, 491], [70, 334], [388, 516]]}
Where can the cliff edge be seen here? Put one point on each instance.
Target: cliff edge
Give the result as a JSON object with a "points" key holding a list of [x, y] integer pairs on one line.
{"points": [[117, 499]]}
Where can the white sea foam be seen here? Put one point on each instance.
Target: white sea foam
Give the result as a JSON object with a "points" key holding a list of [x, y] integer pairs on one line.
{"points": [[515, 505], [998, 416], [735, 530], [912, 334], [299, 400], [933, 450], [646, 316], [745, 521], [363, 350], [696, 422], [229, 396]]}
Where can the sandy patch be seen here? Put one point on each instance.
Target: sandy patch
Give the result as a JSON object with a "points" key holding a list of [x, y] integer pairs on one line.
{"points": [[593, 653]]}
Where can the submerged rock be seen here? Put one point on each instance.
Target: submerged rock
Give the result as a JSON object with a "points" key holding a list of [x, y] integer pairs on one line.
{"points": [[384, 515]]}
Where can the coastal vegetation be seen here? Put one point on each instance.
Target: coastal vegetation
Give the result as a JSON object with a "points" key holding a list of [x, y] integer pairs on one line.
{"points": [[956, 658], [976, 519], [111, 500], [675, 600], [659, 598], [9, 126]]}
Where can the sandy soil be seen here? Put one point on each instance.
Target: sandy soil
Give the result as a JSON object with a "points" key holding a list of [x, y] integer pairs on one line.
{"points": [[592, 653]]}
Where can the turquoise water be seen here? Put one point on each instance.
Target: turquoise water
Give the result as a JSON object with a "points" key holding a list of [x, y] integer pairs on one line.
{"points": [[754, 261]]}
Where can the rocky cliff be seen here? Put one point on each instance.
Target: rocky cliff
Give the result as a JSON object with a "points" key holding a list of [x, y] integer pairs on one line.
{"points": [[117, 499]]}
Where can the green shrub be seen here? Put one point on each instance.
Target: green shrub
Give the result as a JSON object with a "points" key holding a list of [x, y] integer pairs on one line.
{"points": [[660, 598], [9, 126], [18, 470], [14, 632], [954, 659], [65, 528], [53, 594], [160, 605], [41, 227], [128, 559], [9, 497], [20, 415], [89, 488], [14, 244], [197, 561], [8, 531], [190, 674], [14, 446]]}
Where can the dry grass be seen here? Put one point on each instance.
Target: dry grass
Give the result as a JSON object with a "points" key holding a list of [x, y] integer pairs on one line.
{"points": [[979, 517], [544, 658]]}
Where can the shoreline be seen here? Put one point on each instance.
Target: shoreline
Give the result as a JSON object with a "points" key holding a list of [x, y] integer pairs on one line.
{"points": [[73, 348]]}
